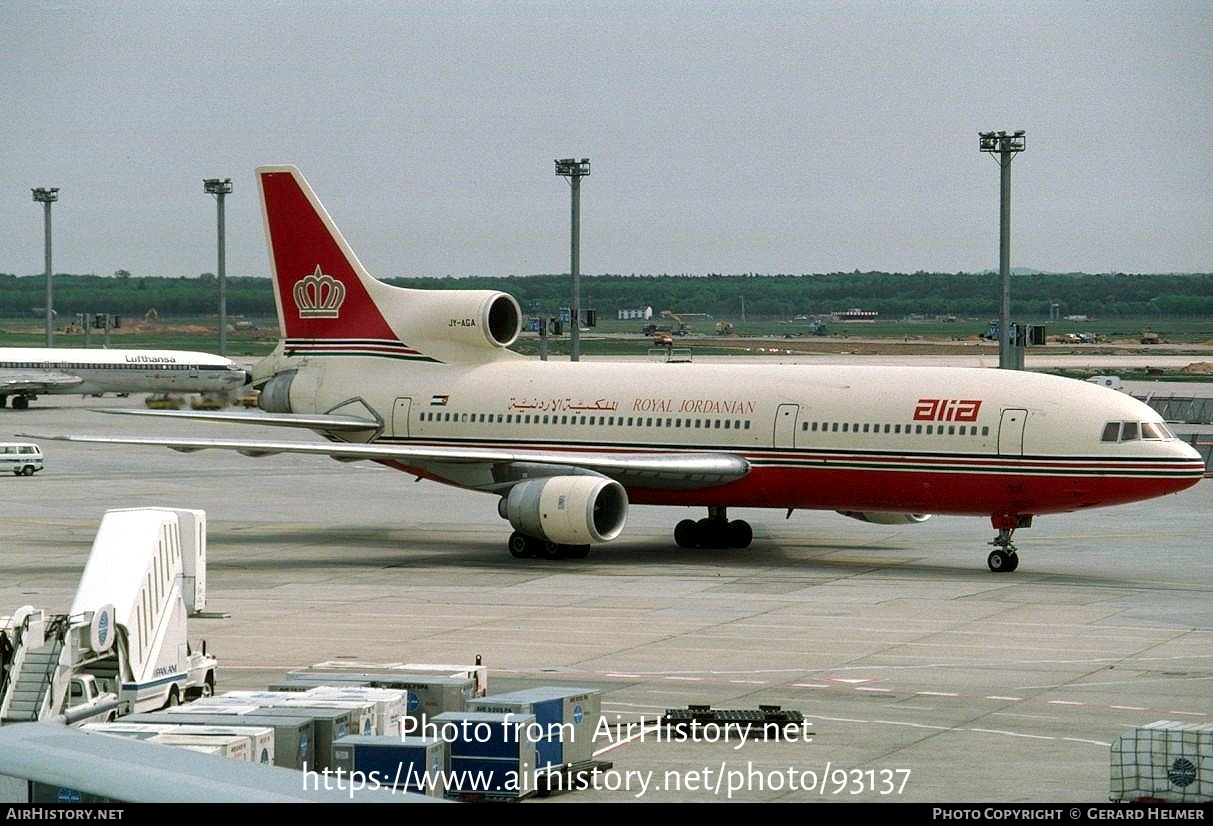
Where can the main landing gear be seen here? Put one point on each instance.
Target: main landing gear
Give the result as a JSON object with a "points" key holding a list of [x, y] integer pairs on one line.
{"points": [[1005, 558], [717, 531], [522, 546]]}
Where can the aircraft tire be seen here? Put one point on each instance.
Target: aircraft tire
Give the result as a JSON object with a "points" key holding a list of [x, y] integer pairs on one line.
{"points": [[740, 534], [1001, 562], [686, 534], [519, 545], [550, 550], [576, 551], [709, 534]]}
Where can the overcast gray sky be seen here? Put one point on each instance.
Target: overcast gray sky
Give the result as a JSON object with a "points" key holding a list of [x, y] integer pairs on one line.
{"points": [[724, 136]]}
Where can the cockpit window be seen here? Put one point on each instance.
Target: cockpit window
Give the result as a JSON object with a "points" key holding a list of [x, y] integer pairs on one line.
{"points": [[1132, 431], [1153, 430]]}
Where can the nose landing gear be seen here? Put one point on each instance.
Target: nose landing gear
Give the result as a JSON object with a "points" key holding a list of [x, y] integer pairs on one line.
{"points": [[1005, 557]]}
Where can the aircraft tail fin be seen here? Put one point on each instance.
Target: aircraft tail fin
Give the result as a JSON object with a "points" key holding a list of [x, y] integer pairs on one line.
{"points": [[328, 304]]}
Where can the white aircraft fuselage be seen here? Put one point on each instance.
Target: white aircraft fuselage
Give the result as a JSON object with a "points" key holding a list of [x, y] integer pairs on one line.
{"points": [[28, 372], [853, 438]]}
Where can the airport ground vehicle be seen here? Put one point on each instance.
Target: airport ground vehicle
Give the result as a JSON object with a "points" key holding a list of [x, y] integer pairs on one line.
{"points": [[22, 458], [122, 645]]}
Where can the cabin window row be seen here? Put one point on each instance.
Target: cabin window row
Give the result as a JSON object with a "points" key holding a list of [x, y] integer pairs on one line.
{"points": [[916, 429], [1132, 431], [42, 365], [670, 422]]}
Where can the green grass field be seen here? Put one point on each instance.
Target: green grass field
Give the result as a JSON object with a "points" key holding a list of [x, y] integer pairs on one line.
{"points": [[1180, 330], [622, 337]]}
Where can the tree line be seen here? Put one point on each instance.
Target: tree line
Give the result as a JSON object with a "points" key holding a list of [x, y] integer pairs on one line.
{"points": [[893, 295]]}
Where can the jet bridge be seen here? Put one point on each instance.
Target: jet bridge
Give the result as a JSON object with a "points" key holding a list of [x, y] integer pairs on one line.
{"points": [[122, 645]]}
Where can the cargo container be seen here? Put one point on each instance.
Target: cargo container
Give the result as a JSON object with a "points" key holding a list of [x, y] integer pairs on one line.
{"points": [[294, 737], [415, 764], [565, 720]]}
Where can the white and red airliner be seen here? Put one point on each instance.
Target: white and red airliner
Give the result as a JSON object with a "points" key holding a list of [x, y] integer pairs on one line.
{"points": [[424, 381]]}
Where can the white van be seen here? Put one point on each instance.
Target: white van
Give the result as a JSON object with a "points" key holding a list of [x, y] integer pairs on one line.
{"points": [[22, 458]]}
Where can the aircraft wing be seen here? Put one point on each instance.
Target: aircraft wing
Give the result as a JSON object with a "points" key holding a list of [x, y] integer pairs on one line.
{"points": [[682, 471], [67, 759], [38, 382], [319, 421]]}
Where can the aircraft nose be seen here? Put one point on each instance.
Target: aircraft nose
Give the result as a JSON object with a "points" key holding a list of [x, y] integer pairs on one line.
{"points": [[1187, 451]]}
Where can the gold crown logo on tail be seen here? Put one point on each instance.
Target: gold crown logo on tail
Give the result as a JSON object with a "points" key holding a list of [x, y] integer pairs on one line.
{"points": [[319, 295]]}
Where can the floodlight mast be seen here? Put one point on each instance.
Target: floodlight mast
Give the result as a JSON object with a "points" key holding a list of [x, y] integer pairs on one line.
{"points": [[47, 196], [220, 187], [1003, 147], [575, 170]]}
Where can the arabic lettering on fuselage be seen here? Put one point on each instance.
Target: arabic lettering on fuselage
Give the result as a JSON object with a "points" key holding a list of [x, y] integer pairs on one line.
{"points": [[566, 405], [642, 405]]}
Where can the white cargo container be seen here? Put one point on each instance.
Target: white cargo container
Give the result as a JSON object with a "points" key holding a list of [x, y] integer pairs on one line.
{"points": [[1167, 760], [233, 748], [390, 704], [214, 705], [257, 698], [139, 731], [363, 711], [261, 738]]}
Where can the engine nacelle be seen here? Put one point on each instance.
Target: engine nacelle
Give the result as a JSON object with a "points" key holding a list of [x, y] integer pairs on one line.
{"points": [[568, 510], [885, 518], [451, 325], [276, 393]]}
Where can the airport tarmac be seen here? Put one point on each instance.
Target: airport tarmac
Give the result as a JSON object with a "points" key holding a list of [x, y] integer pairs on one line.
{"points": [[923, 676]]}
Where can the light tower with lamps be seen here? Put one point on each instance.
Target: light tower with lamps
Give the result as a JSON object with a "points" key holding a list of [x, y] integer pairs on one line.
{"points": [[1003, 147], [47, 196], [575, 170], [220, 187]]}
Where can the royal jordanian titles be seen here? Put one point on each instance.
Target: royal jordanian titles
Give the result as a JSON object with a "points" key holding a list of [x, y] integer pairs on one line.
{"points": [[28, 372], [423, 381]]}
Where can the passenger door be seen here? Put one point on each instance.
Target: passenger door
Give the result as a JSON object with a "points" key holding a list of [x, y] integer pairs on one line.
{"points": [[1010, 432], [785, 425], [400, 416]]}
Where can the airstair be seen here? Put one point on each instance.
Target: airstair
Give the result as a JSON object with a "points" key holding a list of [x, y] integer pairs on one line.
{"points": [[30, 679]]}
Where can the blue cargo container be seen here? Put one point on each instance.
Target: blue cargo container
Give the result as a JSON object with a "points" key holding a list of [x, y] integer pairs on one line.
{"points": [[566, 720], [414, 764], [488, 753]]}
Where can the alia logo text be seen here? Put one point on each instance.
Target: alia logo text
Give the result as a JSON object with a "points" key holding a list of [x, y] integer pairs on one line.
{"points": [[947, 410]]}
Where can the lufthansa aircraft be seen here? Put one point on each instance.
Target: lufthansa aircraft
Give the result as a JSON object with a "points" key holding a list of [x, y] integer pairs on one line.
{"points": [[423, 381], [27, 372]]}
